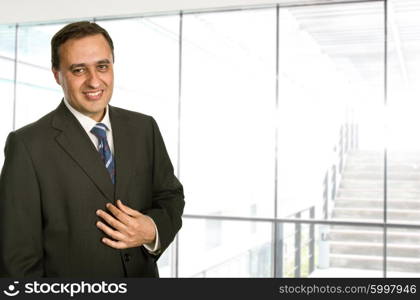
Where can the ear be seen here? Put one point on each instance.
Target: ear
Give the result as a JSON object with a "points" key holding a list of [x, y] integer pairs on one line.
{"points": [[56, 75]]}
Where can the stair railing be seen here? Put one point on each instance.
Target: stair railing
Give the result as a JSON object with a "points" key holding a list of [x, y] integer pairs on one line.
{"points": [[304, 245], [348, 140]]}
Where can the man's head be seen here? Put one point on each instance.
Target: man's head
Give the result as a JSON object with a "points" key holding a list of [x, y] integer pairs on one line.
{"points": [[82, 56]]}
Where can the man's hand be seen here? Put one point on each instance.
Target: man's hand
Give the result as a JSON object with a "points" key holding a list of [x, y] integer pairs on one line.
{"points": [[130, 228]]}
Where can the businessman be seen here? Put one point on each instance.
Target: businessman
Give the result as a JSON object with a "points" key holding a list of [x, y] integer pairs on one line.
{"points": [[88, 190]]}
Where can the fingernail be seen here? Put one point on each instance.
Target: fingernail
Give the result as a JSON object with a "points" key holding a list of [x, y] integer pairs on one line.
{"points": [[98, 212]]}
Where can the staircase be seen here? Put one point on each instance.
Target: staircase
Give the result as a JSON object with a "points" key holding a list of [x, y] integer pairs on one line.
{"points": [[360, 198]]}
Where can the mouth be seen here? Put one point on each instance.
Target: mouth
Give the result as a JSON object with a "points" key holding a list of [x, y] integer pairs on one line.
{"points": [[93, 95]]}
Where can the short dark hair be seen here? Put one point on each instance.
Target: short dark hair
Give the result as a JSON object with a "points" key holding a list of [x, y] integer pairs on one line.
{"points": [[76, 30]]}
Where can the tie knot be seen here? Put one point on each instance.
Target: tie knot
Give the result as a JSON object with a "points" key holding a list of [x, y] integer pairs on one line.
{"points": [[99, 130]]}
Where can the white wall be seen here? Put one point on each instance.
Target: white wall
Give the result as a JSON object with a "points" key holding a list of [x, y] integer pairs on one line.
{"points": [[27, 11], [21, 11]]}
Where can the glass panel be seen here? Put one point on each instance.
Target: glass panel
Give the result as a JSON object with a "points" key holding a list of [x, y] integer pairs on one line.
{"points": [[147, 71], [330, 251], [7, 37], [228, 100], [7, 55], [403, 165], [212, 248], [403, 107], [330, 153], [403, 252], [37, 92], [165, 262]]}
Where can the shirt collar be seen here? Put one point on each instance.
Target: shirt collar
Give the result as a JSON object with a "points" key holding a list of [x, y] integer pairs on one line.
{"points": [[86, 122]]}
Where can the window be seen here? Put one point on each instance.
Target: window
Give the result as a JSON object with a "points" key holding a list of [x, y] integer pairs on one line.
{"points": [[147, 71], [37, 93], [228, 101], [7, 65], [276, 119]]}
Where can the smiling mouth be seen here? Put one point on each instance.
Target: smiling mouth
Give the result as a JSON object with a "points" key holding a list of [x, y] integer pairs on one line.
{"points": [[94, 95]]}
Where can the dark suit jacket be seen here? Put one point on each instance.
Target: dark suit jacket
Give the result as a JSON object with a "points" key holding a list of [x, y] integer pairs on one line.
{"points": [[53, 181]]}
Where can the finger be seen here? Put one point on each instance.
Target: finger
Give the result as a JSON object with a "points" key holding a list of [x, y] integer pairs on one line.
{"points": [[127, 209], [118, 213], [111, 220], [116, 235], [114, 244]]}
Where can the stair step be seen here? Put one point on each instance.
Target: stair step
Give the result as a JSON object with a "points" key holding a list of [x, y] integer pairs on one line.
{"points": [[378, 193], [379, 168], [378, 204], [394, 237], [395, 199], [394, 264], [369, 248], [357, 219], [393, 159], [372, 228], [362, 183], [378, 175], [377, 214], [391, 156], [379, 161], [360, 197]]}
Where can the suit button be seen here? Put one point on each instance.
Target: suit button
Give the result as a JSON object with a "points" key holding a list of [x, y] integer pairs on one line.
{"points": [[127, 257]]}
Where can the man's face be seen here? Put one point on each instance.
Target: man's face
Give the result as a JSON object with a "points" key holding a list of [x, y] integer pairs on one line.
{"points": [[86, 74]]}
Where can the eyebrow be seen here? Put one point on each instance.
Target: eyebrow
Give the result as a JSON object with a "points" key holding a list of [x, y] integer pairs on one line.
{"points": [[100, 62], [103, 61], [74, 66]]}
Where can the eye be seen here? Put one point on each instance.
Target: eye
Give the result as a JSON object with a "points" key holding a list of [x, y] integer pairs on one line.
{"points": [[102, 67], [78, 71]]}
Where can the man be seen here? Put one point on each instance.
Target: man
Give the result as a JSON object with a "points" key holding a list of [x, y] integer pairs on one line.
{"points": [[88, 190]]}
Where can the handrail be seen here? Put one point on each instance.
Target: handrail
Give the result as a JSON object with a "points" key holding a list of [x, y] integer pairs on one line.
{"points": [[347, 141], [310, 243]]}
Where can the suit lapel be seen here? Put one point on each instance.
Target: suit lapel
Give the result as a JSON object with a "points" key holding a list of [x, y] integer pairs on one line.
{"points": [[74, 140], [123, 152]]}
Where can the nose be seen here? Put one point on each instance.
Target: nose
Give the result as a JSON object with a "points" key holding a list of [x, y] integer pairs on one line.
{"points": [[93, 80]]}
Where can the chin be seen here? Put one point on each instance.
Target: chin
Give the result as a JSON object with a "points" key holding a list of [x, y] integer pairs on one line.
{"points": [[96, 105]]}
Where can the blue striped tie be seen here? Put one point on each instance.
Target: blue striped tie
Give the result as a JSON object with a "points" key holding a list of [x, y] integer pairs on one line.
{"points": [[99, 130]]}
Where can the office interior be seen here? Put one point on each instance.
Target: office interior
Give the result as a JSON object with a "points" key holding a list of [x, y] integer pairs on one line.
{"points": [[291, 124]]}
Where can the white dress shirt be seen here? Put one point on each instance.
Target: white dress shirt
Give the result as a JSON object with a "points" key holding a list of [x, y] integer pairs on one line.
{"points": [[87, 124]]}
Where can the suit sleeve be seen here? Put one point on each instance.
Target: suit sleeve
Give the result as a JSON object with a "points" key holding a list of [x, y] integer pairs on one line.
{"points": [[168, 196], [21, 251]]}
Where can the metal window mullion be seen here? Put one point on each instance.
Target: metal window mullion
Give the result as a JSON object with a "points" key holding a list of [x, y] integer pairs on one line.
{"points": [[175, 256], [298, 250], [277, 228], [15, 77], [385, 243]]}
